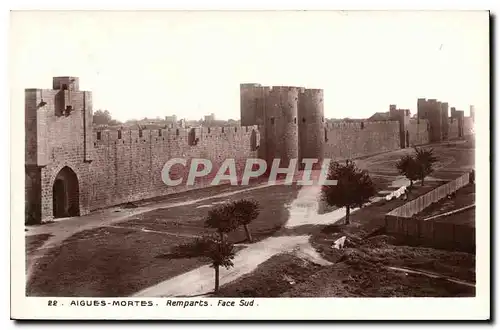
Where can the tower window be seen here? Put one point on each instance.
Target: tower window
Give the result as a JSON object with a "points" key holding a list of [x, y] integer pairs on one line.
{"points": [[119, 135], [98, 135], [362, 125], [272, 120], [140, 133], [295, 120], [326, 135], [159, 132], [177, 132], [303, 119]]}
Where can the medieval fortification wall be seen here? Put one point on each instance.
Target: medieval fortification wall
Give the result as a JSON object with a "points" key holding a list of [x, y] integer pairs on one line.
{"points": [[129, 167], [345, 140], [87, 169]]}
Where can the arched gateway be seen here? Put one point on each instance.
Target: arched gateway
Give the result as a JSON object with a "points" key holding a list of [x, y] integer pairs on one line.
{"points": [[65, 194]]}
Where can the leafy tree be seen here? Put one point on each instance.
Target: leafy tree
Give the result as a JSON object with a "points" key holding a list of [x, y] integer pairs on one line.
{"points": [[245, 211], [222, 219], [425, 160], [103, 117], [354, 187], [408, 167], [220, 252]]}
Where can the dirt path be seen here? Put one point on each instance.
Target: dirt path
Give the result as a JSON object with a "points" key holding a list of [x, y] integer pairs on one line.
{"points": [[201, 280]]}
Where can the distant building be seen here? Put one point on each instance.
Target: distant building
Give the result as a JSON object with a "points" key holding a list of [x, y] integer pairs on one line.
{"points": [[171, 119], [209, 118]]}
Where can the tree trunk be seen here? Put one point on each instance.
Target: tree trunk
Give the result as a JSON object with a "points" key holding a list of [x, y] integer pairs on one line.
{"points": [[249, 234], [423, 177], [347, 209], [216, 279], [221, 234]]}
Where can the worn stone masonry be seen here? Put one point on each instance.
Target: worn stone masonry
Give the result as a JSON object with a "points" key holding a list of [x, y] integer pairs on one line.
{"points": [[73, 168]]}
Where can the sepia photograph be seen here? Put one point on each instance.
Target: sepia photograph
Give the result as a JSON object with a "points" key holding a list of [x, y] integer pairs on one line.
{"points": [[195, 160]]}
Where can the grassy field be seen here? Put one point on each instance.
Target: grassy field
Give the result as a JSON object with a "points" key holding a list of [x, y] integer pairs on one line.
{"points": [[123, 259], [189, 220], [107, 262]]}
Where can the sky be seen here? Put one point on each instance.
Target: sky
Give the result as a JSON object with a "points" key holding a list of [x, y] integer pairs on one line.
{"points": [[153, 64]]}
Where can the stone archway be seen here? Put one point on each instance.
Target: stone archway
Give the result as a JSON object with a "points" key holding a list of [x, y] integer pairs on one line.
{"points": [[65, 194]]}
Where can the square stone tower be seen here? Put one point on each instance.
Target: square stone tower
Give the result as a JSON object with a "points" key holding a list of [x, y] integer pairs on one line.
{"points": [[58, 149]]}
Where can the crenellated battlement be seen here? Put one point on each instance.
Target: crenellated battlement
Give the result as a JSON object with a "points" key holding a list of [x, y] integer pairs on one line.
{"points": [[358, 124], [311, 91], [135, 135], [283, 89]]}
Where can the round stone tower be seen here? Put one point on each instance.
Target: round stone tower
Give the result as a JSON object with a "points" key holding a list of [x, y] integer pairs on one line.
{"points": [[281, 124], [311, 124]]}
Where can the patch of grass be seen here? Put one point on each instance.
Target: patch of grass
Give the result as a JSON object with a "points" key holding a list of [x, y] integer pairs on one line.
{"points": [[190, 219], [272, 278], [33, 242], [107, 262], [348, 279]]}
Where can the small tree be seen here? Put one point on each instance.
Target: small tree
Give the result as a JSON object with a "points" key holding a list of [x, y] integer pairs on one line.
{"points": [[408, 167], [220, 252], [425, 160], [354, 187], [222, 219], [245, 211]]}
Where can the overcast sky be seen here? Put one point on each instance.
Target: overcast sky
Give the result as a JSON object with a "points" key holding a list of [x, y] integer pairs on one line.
{"points": [[191, 63]]}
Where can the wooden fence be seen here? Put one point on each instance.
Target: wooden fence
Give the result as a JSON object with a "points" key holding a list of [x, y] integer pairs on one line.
{"points": [[419, 204], [400, 221]]}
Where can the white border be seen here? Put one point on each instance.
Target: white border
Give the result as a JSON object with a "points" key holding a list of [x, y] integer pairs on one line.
{"points": [[295, 308]]}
